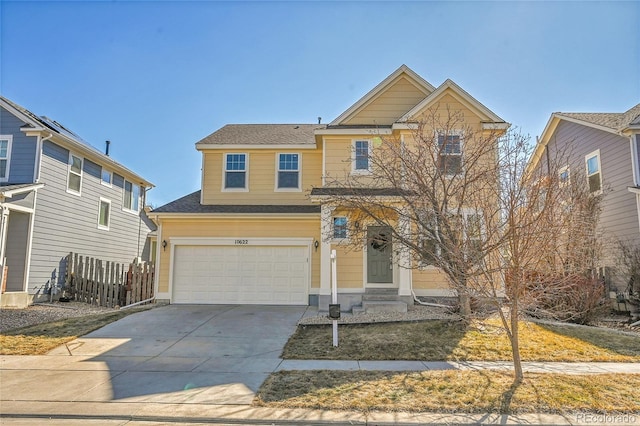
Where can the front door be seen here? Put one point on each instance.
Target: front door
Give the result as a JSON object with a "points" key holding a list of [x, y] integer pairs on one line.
{"points": [[379, 265]]}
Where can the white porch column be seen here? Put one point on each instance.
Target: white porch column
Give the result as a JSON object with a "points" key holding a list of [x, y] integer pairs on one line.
{"points": [[4, 221], [325, 249], [404, 259]]}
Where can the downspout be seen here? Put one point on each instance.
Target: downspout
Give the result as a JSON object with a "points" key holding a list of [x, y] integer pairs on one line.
{"points": [[38, 165], [144, 203]]}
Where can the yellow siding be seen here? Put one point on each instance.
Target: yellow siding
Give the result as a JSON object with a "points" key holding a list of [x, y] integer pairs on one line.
{"points": [[430, 279], [262, 169], [238, 228], [390, 105], [349, 267]]}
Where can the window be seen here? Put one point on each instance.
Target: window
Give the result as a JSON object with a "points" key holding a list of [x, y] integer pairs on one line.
{"points": [[5, 156], [339, 227], [564, 176], [473, 230], [288, 171], [131, 199], [361, 156], [449, 154], [235, 171], [107, 177], [594, 175], [74, 180], [465, 232], [104, 214]]}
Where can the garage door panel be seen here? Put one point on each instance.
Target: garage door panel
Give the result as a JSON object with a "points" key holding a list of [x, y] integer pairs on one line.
{"points": [[241, 274]]}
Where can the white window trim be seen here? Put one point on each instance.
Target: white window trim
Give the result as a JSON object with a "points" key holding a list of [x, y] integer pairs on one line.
{"points": [[298, 188], [102, 182], [100, 226], [246, 172], [69, 163], [560, 172], [124, 194], [355, 171], [335, 239], [8, 138], [595, 153]]}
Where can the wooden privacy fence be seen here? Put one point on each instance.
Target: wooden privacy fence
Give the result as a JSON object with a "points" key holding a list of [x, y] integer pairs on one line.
{"points": [[108, 284]]}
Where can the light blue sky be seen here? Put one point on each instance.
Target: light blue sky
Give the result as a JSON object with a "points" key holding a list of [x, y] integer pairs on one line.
{"points": [[154, 77]]}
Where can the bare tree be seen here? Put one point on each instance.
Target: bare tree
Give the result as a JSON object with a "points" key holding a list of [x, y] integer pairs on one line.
{"points": [[456, 196]]}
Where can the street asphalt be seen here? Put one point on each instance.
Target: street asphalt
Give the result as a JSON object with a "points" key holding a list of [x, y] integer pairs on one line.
{"points": [[202, 364]]}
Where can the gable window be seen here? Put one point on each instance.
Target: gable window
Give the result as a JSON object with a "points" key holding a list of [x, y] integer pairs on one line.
{"points": [[594, 173], [104, 214], [339, 227], [361, 156], [74, 179], [288, 171], [235, 171], [106, 177], [449, 154], [5, 156], [131, 200]]}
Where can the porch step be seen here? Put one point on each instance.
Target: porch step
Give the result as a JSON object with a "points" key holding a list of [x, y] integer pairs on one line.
{"points": [[380, 306]]}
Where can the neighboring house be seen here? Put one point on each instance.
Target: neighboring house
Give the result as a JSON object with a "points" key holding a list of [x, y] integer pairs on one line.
{"points": [[59, 195], [605, 149], [260, 230]]}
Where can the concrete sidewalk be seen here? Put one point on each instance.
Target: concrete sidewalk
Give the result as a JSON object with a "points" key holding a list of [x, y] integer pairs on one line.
{"points": [[529, 367]]}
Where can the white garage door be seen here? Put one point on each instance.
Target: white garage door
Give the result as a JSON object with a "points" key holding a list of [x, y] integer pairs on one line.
{"points": [[270, 275]]}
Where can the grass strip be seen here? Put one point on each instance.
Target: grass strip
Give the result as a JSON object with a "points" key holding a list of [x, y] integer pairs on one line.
{"points": [[41, 338], [450, 391], [438, 340]]}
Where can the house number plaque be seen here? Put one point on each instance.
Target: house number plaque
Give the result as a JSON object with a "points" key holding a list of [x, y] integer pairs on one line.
{"points": [[241, 242]]}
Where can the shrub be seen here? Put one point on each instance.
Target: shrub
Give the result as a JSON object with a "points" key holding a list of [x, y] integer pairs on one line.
{"points": [[572, 298]]}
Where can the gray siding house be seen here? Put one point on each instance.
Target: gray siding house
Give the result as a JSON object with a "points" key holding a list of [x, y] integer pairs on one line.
{"points": [[605, 147], [59, 195]]}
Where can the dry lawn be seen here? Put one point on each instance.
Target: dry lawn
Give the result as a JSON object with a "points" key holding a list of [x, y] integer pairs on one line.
{"points": [[41, 338], [439, 340], [451, 391]]}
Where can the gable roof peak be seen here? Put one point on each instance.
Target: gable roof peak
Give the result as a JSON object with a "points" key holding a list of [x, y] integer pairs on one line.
{"points": [[452, 85], [420, 82]]}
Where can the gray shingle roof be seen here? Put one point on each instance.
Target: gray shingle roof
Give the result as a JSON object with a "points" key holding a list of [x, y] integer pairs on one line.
{"points": [[191, 204], [263, 134], [611, 120]]}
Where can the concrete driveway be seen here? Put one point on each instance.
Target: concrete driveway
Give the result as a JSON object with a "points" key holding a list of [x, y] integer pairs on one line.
{"points": [[200, 354]]}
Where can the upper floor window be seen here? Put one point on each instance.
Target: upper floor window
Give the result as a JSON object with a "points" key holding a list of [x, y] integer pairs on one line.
{"points": [[235, 172], [449, 154], [594, 172], [339, 227], [131, 199], [5, 156], [360, 157], [74, 178], [288, 171], [106, 178], [104, 214]]}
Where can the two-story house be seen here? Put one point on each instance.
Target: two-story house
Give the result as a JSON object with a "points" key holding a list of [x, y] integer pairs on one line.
{"points": [[604, 149], [58, 195], [261, 229]]}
